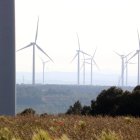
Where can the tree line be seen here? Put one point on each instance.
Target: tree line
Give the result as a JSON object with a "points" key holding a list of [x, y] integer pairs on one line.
{"points": [[113, 101]]}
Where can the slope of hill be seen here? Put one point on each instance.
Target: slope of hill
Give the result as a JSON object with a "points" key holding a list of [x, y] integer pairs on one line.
{"points": [[55, 99]]}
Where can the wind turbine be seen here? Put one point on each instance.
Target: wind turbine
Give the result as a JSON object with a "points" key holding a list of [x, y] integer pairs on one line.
{"points": [[84, 67], [126, 70], [123, 66], [91, 65], [43, 63], [34, 44], [137, 53], [126, 67], [78, 60]]}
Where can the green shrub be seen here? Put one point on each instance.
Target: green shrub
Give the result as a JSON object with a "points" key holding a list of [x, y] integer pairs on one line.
{"points": [[109, 135], [76, 109], [41, 135], [28, 111], [44, 115], [44, 135], [6, 134]]}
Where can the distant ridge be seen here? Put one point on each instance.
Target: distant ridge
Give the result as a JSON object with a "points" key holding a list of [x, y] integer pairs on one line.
{"points": [[71, 78]]}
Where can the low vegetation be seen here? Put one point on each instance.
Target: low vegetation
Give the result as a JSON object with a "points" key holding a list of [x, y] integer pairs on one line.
{"points": [[69, 127]]}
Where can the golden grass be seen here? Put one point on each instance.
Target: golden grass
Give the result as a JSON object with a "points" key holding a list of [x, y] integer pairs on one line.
{"points": [[73, 127]]}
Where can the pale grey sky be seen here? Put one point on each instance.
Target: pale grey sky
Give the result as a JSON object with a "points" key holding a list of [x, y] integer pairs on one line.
{"points": [[106, 24]]}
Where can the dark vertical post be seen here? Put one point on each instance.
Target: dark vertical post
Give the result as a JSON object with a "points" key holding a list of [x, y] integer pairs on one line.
{"points": [[7, 57]]}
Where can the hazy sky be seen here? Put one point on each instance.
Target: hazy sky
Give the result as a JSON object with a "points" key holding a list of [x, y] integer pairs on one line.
{"points": [[109, 25]]}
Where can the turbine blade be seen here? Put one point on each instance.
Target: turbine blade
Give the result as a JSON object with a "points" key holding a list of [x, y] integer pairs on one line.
{"points": [[84, 56], [138, 38], [44, 53], [46, 61], [132, 57], [94, 53], [36, 30], [41, 59], [96, 64], [87, 58], [78, 41], [131, 63], [117, 53], [74, 57], [87, 63], [128, 54], [25, 47], [84, 53]]}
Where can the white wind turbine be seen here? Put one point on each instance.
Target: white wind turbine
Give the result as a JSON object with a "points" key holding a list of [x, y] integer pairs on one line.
{"points": [[78, 60], [123, 66], [84, 67], [126, 67], [137, 53], [126, 71], [43, 64], [34, 44], [91, 66]]}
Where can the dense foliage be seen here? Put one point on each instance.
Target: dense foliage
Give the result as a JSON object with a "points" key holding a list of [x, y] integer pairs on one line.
{"points": [[113, 101]]}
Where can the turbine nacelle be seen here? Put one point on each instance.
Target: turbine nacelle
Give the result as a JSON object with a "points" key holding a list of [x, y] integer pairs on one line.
{"points": [[33, 43]]}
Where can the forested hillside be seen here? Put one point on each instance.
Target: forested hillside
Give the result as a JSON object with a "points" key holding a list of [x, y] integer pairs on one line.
{"points": [[55, 98]]}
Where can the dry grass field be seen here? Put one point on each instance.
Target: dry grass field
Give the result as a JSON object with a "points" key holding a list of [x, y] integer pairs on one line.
{"points": [[70, 128]]}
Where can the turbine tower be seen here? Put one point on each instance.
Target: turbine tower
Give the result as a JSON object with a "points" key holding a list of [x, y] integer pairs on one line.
{"points": [[137, 53], [123, 66], [126, 67], [34, 44], [43, 63], [78, 65], [91, 66], [78, 60], [84, 67], [92, 60], [7, 57]]}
